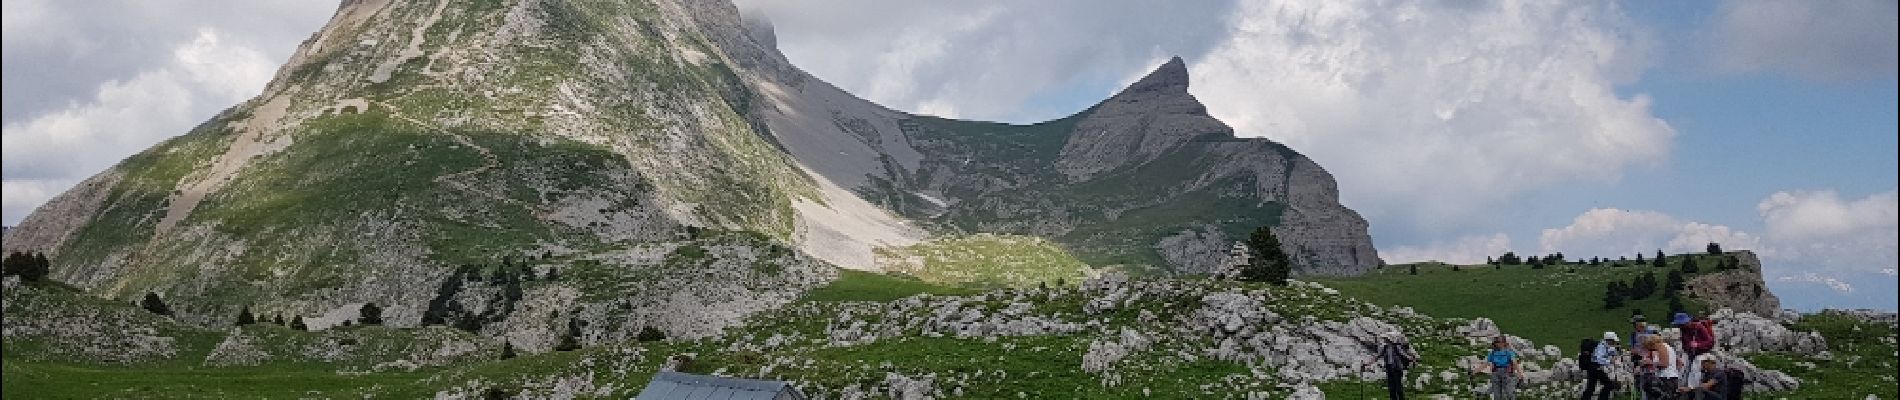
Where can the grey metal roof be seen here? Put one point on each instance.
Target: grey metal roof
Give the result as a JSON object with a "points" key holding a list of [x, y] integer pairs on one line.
{"points": [[669, 385]]}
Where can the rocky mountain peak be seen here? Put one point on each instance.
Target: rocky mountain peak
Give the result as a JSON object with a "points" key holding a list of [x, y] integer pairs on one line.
{"points": [[1169, 79]]}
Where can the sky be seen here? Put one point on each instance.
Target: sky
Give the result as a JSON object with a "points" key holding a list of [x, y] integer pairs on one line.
{"points": [[1459, 128]]}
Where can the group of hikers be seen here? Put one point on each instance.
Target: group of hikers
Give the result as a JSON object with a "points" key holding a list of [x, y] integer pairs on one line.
{"points": [[1659, 365]]}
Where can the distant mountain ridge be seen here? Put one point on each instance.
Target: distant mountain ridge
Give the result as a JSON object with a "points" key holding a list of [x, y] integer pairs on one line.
{"points": [[661, 157], [1145, 177]]}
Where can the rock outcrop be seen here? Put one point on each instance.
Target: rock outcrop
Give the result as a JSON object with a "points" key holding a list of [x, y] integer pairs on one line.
{"points": [[1741, 289]]}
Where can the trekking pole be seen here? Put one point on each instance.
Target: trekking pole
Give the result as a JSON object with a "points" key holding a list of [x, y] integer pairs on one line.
{"points": [[1362, 382]]}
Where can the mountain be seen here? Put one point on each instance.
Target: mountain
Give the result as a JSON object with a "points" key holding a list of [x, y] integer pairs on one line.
{"points": [[516, 167], [1145, 177]]}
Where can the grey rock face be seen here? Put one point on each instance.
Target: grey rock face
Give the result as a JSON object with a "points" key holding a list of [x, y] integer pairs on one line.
{"points": [[1741, 289], [1745, 332], [1150, 117], [237, 349]]}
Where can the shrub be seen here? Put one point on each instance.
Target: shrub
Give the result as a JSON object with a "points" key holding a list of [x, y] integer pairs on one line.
{"points": [[370, 314], [154, 304], [650, 334]]}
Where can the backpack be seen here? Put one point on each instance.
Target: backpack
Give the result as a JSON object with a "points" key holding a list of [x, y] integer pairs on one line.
{"points": [[1732, 388], [1698, 337], [1586, 355]]}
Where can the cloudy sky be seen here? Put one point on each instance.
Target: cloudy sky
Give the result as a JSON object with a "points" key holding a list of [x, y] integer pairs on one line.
{"points": [[1460, 128]]}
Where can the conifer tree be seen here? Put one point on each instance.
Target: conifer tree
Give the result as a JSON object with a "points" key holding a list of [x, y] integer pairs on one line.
{"points": [[154, 304], [370, 314], [245, 317], [571, 340], [1266, 261]]}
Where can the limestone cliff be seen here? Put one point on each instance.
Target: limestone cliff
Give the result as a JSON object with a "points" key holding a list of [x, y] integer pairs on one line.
{"points": [[1741, 289]]}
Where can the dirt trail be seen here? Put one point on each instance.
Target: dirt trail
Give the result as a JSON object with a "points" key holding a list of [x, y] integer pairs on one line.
{"points": [[489, 162]]}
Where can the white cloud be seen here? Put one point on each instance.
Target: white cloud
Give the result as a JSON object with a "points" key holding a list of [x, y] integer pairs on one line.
{"points": [[1465, 250], [1813, 231], [47, 153], [1613, 233], [1831, 283], [1432, 112], [1012, 61], [1810, 237], [1820, 227], [1824, 40]]}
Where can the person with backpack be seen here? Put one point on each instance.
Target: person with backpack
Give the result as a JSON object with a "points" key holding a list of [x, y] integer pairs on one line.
{"points": [[1395, 355], [1643, 359], [1504, 370], [1662, 364], [1706, 382], [1597, 359], [1698, 337]]}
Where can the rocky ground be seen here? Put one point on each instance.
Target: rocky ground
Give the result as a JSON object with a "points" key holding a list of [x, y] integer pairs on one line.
{"points": [[1109, 336]]}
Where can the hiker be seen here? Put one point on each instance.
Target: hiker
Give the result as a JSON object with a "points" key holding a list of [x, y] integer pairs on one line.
{"points": [[1661, 363], [1395, 355], [1504, 370], [1601, 356], [1642, 361], [1698, 336], [1638, 331], [1706, 382]]}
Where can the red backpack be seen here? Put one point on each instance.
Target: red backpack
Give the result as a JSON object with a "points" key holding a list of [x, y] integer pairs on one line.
{"points": [[1699, 336]]}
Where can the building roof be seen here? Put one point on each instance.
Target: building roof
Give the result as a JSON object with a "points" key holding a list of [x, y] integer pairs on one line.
{"points": [[669, 385]]}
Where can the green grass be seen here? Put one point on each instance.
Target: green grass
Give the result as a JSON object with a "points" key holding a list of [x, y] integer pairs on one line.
{"points": [[870, 286], [987, 260], [1550, 306], [1863, 360], [44, 380]]}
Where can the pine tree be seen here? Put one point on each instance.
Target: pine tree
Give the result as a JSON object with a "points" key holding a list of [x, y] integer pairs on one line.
{"points": [[507, 350], [443, 304], [571, 340], [29, 267], [296, 323], [1639, 258], [1266, 261], [1673, 284], [370, 314], [1715, 248], [245, 317], [650, 334], [1414, 269], [154, 304], [1675, 305], [277, 320], [1643, 286], [1659, 255], [1688, 265], [1613, 296], [16, 263], [39, 269]]}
